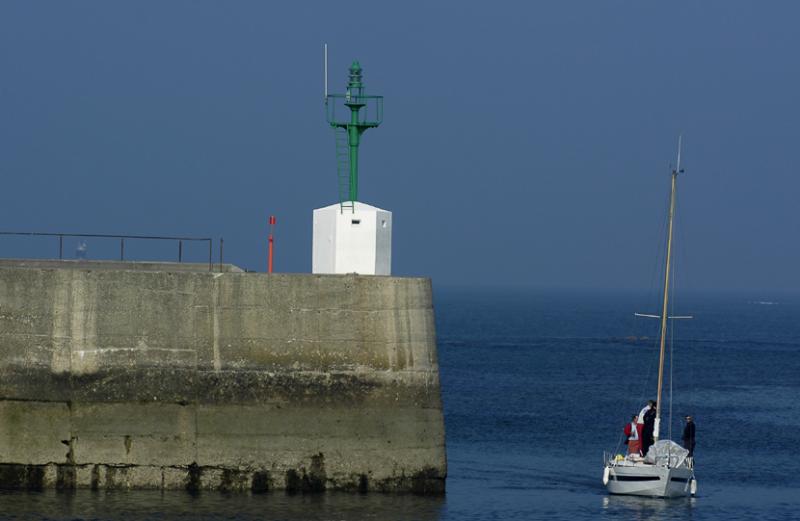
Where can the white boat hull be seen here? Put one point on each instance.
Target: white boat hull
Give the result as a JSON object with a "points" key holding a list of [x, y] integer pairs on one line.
{"points": [[650, 480]]}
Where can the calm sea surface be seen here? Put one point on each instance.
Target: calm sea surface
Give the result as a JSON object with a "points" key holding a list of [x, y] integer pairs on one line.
{"points": [[536, 386]]}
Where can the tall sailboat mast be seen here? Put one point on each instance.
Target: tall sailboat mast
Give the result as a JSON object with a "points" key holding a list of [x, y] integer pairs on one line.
{"points": [[664, 309]]}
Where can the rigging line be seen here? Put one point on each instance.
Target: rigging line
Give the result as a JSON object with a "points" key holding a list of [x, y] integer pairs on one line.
{"points": [[655, 286], [652, 296], [679, 268], [650, 375], [686, 376], [651, 302], [657, 257], [660, 255], [652, 357], [647, 381]]}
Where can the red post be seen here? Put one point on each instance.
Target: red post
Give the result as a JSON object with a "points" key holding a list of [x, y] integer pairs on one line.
{"points": [[272, 222]]}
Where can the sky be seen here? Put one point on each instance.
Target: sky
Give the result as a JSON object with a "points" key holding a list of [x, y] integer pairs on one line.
{"points": [[524, 144]]}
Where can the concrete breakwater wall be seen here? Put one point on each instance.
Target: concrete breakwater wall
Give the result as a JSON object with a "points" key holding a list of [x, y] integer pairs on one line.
{"points": [[152, 378]]}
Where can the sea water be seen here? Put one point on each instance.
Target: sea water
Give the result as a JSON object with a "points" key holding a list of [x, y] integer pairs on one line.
{"points": [[536, 386]]}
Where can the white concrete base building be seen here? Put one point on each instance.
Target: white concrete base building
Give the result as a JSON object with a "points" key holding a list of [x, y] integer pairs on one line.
{"points": [[352, 240]]}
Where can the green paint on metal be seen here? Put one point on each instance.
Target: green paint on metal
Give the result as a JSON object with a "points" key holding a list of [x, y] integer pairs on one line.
{"points": [[365, 112]]}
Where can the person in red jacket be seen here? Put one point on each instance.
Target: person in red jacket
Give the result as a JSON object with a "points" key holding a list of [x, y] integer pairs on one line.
{"points": [[633, 436]]}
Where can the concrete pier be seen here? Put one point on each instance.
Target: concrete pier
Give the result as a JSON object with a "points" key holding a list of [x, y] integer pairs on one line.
{"points": [[124, 375]]}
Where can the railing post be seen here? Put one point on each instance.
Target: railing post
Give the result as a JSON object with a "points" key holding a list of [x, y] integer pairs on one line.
{"points": [[180, 251], [272, 222], [210, 260], [221, 250], [122, 248], [60, 247]]}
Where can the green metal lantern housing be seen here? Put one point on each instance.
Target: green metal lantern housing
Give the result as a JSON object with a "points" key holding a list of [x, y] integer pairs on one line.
{"points": [[364, 112]]}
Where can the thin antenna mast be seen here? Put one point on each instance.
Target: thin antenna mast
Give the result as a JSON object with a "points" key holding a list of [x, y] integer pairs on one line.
{"points": [[326, 72], [680, 137]]}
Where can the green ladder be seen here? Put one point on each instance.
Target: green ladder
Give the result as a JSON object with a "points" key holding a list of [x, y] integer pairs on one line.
{"points": [[343, 169]]}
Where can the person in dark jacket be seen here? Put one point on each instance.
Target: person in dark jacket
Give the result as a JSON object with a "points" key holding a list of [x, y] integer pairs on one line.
{"points": [[688, 438], [650, 405], [649, 422]]}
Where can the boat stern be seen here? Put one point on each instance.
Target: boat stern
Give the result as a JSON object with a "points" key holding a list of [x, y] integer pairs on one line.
{"points": [[649, 480]]}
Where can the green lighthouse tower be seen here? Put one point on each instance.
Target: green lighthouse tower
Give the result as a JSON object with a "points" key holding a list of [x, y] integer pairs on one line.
{"points": [[364, 112], [351, 236]]}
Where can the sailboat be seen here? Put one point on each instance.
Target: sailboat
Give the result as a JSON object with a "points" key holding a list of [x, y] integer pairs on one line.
{"points": [[666, 470]]}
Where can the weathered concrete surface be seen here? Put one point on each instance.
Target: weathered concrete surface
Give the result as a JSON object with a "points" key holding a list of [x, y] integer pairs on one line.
{"points": [[116, 378]]}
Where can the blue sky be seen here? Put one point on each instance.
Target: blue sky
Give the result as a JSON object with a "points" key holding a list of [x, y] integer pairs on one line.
{"points": [[524, 144]]}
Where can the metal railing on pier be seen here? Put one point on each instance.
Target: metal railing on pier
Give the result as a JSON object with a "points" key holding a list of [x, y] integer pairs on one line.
{"points": [[122, 239]]}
